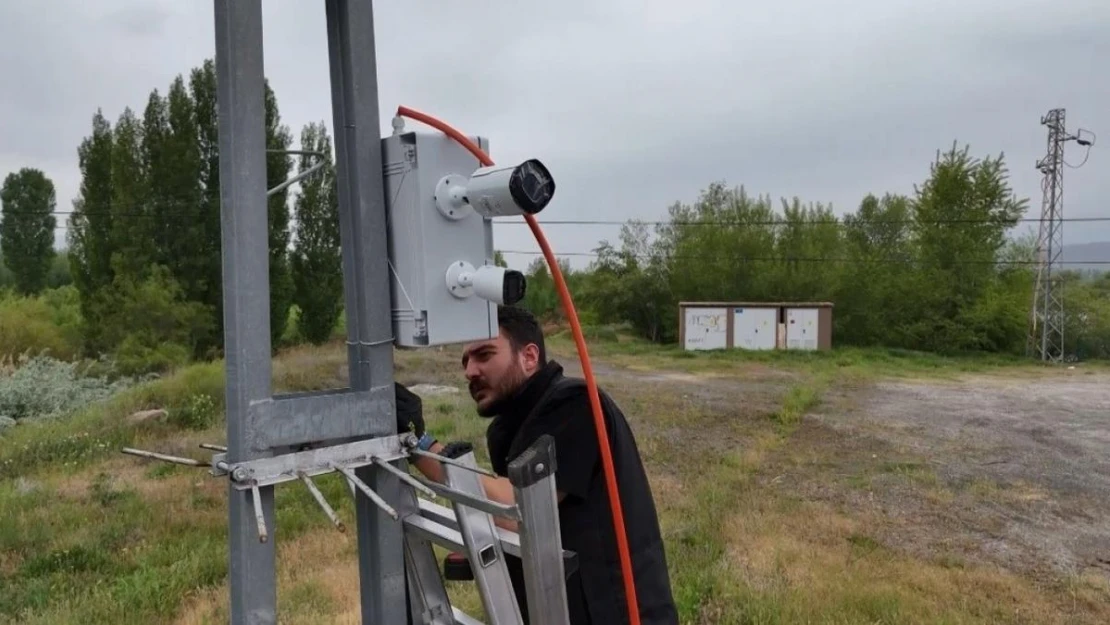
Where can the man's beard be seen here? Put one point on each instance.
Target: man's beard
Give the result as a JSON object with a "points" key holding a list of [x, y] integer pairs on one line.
{"points": [[503, 390]]}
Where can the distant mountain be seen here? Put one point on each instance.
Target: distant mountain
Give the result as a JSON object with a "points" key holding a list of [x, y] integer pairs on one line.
{"points": [[1094, 253]]}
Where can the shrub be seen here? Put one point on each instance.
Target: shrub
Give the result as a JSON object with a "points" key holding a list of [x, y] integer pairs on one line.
{"points": [[44, 387], [44, 324], [199, 412]]}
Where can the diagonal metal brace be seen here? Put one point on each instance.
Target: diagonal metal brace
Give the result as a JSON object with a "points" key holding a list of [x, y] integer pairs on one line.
{"points": [[319, 497], [369, 492]]}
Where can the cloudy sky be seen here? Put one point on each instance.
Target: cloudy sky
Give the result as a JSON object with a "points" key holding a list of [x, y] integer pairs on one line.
{"points": [[633, 105]]}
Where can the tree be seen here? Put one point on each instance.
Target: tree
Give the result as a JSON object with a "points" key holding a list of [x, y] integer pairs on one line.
{"points": [[875, 299], [134, 247], [27, 228], [157, 204], [187, 246], [206, 272], [632, 284], [962, 214], [278, 166], [90, 228], [316, 262]]}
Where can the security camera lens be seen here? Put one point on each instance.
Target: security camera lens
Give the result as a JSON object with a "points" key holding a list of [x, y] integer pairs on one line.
{"points": [[513, 285], [531, 186]]}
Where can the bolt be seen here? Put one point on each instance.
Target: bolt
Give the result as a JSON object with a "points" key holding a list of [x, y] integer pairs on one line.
{"points": [[239, 474], [539, 467]]}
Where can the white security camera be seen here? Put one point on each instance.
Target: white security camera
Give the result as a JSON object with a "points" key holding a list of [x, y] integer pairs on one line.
{"points": [[489, 282], [497, 191]]}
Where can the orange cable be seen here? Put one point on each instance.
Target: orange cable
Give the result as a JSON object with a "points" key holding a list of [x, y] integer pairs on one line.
{"points": [[583, 355]]}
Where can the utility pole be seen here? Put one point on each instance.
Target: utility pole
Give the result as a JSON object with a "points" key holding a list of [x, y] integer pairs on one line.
{"points": [[1046, 331]]}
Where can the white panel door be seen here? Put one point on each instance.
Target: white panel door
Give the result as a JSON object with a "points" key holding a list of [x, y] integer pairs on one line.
{"points": [[801, 328], [706, 328], [754, 328]]}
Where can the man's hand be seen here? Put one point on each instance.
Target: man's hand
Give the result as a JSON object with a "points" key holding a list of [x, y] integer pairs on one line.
{"points": [[410, 411]]}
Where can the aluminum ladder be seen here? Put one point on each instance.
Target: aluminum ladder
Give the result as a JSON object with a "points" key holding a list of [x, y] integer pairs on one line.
{"points": [[468, 527]]}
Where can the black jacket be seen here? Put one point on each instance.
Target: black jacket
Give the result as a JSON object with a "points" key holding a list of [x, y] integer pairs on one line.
{"points": [[551, 403]]}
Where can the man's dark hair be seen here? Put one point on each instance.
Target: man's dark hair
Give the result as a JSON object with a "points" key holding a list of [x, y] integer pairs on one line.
{"points": [[522, 328]]}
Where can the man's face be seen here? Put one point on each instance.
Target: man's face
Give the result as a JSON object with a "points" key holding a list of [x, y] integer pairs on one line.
{"points": [[495, 371]]}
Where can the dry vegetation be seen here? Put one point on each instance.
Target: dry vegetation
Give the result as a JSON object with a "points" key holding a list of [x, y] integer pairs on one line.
{"points": [[780, 502]]}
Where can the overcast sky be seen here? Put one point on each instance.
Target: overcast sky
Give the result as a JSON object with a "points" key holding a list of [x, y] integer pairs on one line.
{"points": [[632, 104]]}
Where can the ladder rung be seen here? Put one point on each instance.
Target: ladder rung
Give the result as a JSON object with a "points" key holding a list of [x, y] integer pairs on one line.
{"points": [[434, 532], [510, 540], [462, 618], [474, 501]]}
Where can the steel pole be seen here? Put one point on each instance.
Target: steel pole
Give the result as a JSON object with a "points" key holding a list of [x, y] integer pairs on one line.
{"points": [[246, 292]]}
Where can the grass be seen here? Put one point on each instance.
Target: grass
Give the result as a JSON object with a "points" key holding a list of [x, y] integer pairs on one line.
{"points": [[90, 536], [859, 362]]}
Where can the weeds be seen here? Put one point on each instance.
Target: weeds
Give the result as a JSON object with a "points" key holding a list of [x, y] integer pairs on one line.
{"points": [[42, 387], [86, 536]]}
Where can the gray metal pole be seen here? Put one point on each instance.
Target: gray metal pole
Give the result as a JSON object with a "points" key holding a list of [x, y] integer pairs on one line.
{"points": [[246, 291], [362, 220]]}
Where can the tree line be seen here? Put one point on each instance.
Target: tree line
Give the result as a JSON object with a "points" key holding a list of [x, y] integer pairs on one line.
{"points": [[144, 240], [939, 269]]}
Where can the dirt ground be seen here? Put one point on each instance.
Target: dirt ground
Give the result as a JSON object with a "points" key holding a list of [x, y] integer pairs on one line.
{"points": [[1008, 470], [1016, 468]]}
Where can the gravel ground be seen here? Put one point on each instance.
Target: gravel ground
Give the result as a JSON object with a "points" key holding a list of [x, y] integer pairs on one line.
{"points": [[1006, 469], [1019, 467]]}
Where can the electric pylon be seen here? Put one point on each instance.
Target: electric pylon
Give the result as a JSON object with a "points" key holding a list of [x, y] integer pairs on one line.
{"points": [[1046, 332]]}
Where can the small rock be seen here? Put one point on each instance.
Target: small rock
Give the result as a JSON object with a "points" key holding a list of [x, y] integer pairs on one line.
{"points": [[6, 422], [433, 389], [143, 416]]}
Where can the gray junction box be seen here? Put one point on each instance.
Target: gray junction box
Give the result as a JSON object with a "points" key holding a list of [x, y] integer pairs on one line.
{"points": [[427, 239]]}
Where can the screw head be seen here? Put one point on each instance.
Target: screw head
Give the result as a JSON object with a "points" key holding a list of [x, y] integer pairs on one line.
{"points": [[539, 467]]}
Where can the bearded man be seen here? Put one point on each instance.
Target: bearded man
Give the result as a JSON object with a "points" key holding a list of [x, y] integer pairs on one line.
{"points": [[527, 396]]}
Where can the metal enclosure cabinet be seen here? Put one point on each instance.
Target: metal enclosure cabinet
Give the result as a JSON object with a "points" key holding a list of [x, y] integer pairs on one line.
{"points": [[425, 241], [802, 328], [705, 328], [754, 328]]}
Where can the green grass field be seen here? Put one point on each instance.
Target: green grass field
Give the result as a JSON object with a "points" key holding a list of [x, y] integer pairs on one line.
{"points": [[88, 535]]}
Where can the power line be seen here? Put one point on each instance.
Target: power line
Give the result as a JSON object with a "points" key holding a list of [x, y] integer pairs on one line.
{"points": [[715, 224], [783, 222], [193, 209], [789, 259]]}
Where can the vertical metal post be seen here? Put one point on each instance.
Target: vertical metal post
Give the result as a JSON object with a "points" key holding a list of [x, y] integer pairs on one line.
{"points": [[532, 475], [351, 53], [246, 291]]}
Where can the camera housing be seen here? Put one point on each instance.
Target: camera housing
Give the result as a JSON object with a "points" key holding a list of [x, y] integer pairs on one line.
{"points": [[495, 284], [523, 189], [497, 191]]}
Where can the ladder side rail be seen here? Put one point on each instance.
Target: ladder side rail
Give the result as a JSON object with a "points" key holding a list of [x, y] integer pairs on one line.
{"points": [[532, 475], [483, 546]]}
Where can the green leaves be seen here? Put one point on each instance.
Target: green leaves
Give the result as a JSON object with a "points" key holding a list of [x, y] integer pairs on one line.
{"points": [[27, 228], [316, 260], [938, 270]]}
